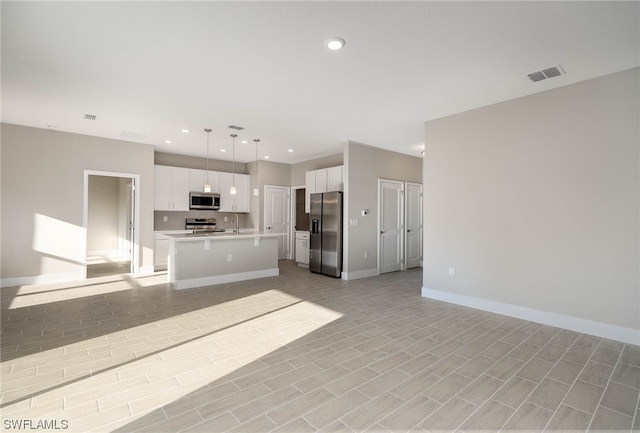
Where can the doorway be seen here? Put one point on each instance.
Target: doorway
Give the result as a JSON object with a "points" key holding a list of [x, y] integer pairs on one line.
{"points": [[399, 225], [276, 216], [110, 221], [390, 216]]}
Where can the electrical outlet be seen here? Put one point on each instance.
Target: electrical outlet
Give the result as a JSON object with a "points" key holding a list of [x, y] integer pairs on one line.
{"points": [[452, 272], [229, 257], [165, 218], [226, 219], [366, 254], [207, 244]]}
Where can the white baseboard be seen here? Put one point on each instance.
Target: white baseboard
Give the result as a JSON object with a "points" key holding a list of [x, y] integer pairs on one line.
{"points": [[41, 279], [228, 278], [360, 274], [613, 332], [146, 270]]}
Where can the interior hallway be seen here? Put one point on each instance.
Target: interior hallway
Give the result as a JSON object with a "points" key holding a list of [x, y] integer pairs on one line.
{"points": [[299, 352]]}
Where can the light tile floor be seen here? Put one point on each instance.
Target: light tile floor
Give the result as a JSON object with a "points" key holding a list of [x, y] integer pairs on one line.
{"points": [[295, 353]]}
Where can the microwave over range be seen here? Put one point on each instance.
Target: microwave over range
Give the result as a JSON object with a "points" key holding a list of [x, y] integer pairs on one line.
{"points": [[204, 200]]}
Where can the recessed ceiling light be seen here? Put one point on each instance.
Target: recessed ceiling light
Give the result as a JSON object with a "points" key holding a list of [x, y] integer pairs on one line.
{"points": [[267, 157], [289, 150], [223, 150], [168, 141], [244, 142], [335, 43], [184, 131]]}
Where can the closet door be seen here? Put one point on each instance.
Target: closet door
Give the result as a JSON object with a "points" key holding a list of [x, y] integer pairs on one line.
{"points": [[413, 225], [390, 224]]}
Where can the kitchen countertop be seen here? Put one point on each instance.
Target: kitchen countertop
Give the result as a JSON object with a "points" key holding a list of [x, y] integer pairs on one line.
{"points": [[220, 235]]}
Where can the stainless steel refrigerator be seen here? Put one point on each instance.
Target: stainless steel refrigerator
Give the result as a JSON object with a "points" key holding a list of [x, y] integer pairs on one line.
{"points": [[325, 251]]}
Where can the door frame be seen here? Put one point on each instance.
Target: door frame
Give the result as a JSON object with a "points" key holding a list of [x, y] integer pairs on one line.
{"points": [[135, 179], [287, 213], [406, 225], [293, 218], [401, 183]]}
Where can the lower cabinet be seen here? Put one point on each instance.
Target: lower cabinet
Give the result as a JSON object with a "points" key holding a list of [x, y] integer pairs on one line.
{"points": [[302, 249], [161, 252]]}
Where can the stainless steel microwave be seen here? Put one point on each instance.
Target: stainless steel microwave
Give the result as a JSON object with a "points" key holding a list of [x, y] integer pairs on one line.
{"points": [[204, 200]]}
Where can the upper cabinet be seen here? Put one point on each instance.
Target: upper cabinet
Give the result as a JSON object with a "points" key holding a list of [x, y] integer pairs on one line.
{"points": [[171, 189], [334, 178], [323, 180], [238, 202], [197, 179], [173, 184]]}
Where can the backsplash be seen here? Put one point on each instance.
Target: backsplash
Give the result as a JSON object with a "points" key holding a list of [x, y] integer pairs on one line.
{"points": [[175, 219]]}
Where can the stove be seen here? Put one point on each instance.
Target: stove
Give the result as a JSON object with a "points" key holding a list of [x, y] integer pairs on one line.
{"points": [[202, 225]]}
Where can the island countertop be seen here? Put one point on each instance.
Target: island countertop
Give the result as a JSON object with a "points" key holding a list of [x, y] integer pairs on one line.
{"points": [[219, 235]]}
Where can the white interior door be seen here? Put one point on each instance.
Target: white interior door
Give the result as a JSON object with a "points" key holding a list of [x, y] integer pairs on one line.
{"points": [[276, 216], [413, 224], [390, 223]]}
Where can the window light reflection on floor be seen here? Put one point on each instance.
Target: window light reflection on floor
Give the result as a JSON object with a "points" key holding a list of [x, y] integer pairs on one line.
{"points": [[29, 296], [157, 363]]}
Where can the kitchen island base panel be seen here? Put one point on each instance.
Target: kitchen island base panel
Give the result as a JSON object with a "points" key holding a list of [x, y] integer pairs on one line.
{"points": [[228, 278], [209, 260]]}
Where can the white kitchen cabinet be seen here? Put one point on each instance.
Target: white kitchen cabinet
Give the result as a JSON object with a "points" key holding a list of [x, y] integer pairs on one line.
{"points": [[161, 252], [310, 187], [171, 188], [334, 178], [197, 179], [302, 249], [323, 180], [238, 202]]}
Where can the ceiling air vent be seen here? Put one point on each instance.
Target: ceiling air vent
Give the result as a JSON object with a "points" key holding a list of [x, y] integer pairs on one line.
{"points": [[239, 128], [90, 117], [551, 72]]}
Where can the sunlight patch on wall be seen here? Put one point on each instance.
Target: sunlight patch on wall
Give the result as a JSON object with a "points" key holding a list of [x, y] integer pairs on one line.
{"points": [[58, 238]]}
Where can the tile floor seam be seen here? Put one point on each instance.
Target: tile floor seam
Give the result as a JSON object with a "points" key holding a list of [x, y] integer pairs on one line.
{"points": [[525, 399], [636, 416], [604, 387]]}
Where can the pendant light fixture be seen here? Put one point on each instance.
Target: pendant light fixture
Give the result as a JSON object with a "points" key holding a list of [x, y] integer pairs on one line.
{"points": [[256, 190], [207, 185], [233, 189]]}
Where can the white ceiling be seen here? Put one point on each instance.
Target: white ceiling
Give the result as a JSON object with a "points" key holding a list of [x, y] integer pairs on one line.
{"points": [[149, 69]]}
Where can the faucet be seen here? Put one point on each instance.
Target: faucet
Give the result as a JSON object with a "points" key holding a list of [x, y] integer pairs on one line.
{"points": [[237, 222]]}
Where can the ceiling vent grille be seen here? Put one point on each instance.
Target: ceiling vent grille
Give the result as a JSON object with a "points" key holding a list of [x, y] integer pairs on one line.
{"points": [[551, 72], [239, 128], [90, 116]]}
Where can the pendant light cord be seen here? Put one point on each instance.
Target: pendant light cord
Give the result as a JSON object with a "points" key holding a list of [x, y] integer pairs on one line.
{"points": [[207, 130]]}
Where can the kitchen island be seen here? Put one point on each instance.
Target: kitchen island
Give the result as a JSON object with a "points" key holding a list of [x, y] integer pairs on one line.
{"points": [[205, 259]]}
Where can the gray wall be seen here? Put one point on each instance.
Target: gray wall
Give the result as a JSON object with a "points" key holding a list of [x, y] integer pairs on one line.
{"points": [[267, 173], [42, 197], [103, 220], [535, 202], [364, 165], [186, 161], [299, 169]]}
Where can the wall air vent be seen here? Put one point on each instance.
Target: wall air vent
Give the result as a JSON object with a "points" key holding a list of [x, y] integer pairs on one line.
{"points": [[551, 72], [90, 116]]}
